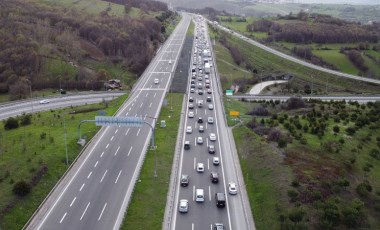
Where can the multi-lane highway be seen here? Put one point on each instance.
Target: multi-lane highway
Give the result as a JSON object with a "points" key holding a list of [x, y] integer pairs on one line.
{"points": [[208, 117], [95, 193], [33, 105], [296, 60]]}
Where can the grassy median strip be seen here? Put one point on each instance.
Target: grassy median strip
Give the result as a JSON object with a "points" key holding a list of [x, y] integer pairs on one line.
{"points": [[35, 153], [147, 207]]}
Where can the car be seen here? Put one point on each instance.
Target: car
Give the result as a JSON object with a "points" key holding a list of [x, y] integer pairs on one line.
{"points": [[170, 62], [210, 120], [201, 129], [192, 82], [186, 145], [192, 86], [192, 90], [209, 91], [212, 137], [191, 99], [183, 206], [189, 129], [206, 77], [199, 140], [44, 101], [200, 86], [210, 106], [200, 120], [156, 81], [185, 180], [211, 149], [191, 114], [200, 167], [207, 86], [200, 92], [232, 188], [218, 226], [214, 177], [208, 99], [191, 106], [215, 160], [207, 81]]}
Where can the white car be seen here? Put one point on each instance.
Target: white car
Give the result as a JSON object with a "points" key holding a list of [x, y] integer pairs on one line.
{"points": [[200, 167], [170, 62], [189, 129], [199, 140], [183, 206], [192, 90], [232, 189], [45, 101], [210, 106], [201, 129], [210, 120], [156, 81], [212, 137], [215, 160], [191, 114]]}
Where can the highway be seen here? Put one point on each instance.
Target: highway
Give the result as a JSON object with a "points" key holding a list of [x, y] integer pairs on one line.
{"points": [[237, 213], [11, 109], [96, 191], [296, 60]]}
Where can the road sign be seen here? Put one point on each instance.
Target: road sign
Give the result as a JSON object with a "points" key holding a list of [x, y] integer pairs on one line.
{"points": [[234, 113], [229, 92], [116, 121]]}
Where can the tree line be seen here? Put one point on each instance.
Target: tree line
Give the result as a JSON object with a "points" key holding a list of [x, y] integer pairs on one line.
{"points": [[316, 28], [145, 5]]}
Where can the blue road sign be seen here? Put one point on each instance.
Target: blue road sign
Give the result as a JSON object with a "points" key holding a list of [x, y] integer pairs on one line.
{"points": [[119, 121]]}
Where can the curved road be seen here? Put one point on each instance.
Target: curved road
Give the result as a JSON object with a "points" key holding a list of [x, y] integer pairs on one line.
{"points": [[296, 60]]}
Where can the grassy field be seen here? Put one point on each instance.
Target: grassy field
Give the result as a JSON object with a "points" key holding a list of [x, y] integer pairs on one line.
{"points": [[267, 63], [337, 59], [28, 149], [149, 197]]}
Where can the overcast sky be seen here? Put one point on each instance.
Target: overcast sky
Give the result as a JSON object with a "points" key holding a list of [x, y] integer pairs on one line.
{"points": [[356, 2]]}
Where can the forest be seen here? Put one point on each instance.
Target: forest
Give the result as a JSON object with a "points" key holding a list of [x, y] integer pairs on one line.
{"points": [[35, 37]]}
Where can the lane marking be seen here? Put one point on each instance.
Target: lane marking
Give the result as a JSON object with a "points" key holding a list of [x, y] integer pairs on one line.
{"points": [[195, 159], [126, 114], [102, 211], [141, 104], [72, 202], [81, 187], [138, 132], [192, 226], [130, 150], [136, 115], [205, 112], [117, 178], [126, 133], [209, 192], [107, 146], [154, 94], [130, 108], [89, 175], [193, 192], [103, 176], [63, 217], [150, 105], [85, 211], [145, 116], [117, 150], [208, 164], [96, 164], [147, 94], [101, 155], [111, 138], [116, 131]]}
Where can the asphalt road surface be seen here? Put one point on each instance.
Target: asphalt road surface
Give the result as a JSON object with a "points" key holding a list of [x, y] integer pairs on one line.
{"points": [[95, 193], [204, 215], [16, 108]]}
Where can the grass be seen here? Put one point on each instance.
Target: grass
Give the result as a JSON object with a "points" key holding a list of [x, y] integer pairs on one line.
{"points": [[190, 30], [339, 60], [24, 151], [149, 197], [241, 107], [264, 176]]}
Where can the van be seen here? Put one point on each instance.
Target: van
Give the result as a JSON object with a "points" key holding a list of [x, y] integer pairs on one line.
{"points": [[220, 199], [199, 195]]}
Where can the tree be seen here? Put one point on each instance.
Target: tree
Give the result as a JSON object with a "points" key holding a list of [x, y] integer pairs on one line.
{"points": [[350, 131], [336, 129], [11, 123], [21, 188]]}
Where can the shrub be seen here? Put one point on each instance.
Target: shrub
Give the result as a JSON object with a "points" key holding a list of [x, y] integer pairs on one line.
{"points": [[293, 194], [274, 135], [11, 123], [282, 143], [375, 153], [259, 111], [21, 188], [363, 189], [26, 119], [43, 136], [350, 131], [336, 129]]}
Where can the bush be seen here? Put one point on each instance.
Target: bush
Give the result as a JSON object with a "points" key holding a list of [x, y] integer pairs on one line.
{"points": [[350, 131], [282, 143], [259, 111], [336, 129], [274, 135], [11, 123], [21, 188], [375, 153], [26, 119], [363, 189]]}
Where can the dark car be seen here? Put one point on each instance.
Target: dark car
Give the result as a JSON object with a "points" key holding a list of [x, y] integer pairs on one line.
{"points": [[211, 149], [185, 179], [208, 99], [200, 92], [191, 99], [200, 120], [187, 145], [214, 177]]}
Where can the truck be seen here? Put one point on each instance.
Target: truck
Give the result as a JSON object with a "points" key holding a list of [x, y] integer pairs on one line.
{"points": [[207, 68]]}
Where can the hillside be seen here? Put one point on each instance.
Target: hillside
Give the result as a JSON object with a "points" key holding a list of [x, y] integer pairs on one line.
{"points": [[79, 44]]}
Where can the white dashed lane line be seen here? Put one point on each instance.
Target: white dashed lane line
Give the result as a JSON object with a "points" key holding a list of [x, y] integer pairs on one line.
{"points": [[63, 217], [117, 178], [100, 216], [112, 138], [107, 146], [130, 150], [126, 133], [117, 150], [116, 131], [101, 155], [138, 132], [88, 177], [72, 202], [81, 187], [103, 176], [85, 210], [96, 164]]}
